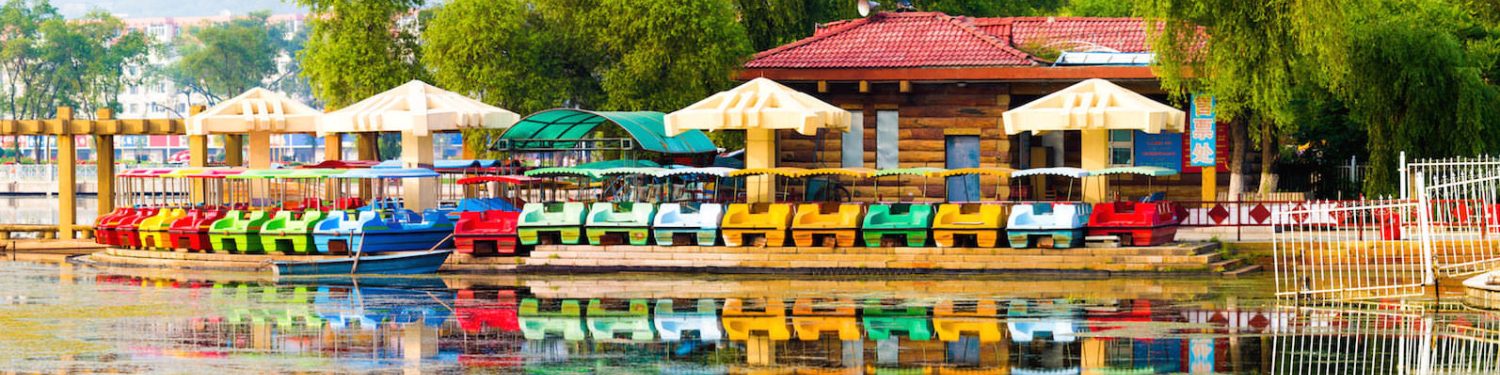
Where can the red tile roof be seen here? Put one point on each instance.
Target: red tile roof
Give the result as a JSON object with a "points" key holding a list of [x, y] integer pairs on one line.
{"points": [[895, 40], [1071, 33], [931, 39]]}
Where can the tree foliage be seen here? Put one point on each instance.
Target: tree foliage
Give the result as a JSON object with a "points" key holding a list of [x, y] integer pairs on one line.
{"points": [[49, 61], [359, 48], [1416, 74], [225, 59]]}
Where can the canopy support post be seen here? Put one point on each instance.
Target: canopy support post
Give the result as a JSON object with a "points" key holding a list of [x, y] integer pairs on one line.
{"points": [[760, 152], [416, 152], [197, 155], [234, 150], [1095, 145]]}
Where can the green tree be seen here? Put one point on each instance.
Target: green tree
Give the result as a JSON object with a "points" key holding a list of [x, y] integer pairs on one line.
{"points": [[225, 59], [359, 48], [1246, 63], [1099, 8], [666, 54]]}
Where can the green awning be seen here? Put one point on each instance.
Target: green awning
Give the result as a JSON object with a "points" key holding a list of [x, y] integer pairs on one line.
{"points": [[543, 130]]}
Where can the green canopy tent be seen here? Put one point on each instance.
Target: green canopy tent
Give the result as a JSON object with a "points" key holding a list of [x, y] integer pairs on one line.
{"points": [[562, 137]]}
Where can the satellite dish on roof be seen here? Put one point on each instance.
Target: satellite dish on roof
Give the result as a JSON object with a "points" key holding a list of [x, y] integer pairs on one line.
{"points": [[865, 6]]}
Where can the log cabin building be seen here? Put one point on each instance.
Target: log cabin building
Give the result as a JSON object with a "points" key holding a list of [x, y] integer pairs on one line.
{"points": [[928, 89]]}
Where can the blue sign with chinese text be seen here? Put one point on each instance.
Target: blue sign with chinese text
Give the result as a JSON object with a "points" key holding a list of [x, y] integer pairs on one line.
{"points": [[1202, 132], [1159, 150]]}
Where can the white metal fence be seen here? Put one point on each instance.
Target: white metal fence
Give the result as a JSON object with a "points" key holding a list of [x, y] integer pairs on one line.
{"points": [[1394, 247]]}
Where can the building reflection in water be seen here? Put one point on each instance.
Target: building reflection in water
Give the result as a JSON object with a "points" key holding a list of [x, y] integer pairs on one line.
{"points": [[374, 323]]}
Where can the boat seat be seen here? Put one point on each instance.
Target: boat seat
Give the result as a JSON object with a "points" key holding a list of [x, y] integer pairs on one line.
{"points": [[757, 216], [828, 216], [567, 321], [969, 216], [552, 214], [620, 214], [606, 324]]}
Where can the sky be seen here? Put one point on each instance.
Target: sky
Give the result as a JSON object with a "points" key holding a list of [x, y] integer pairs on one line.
{"points": [[173, 8]]}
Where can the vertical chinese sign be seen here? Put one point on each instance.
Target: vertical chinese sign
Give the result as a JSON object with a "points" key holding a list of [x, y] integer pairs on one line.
{"points": [[1202, 132]]}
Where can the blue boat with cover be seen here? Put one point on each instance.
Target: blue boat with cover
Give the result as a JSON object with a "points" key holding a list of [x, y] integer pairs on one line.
{"points": [[384, 225]]}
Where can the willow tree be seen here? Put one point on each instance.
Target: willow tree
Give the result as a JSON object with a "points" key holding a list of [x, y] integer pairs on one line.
{"points": [[1244, 53]]}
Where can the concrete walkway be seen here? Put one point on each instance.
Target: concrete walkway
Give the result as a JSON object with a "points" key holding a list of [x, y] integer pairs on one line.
{"points": [[46, 250]]}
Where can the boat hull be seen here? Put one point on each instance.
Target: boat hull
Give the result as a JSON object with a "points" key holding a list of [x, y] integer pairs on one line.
{"points": [[381, 241], [392, 264]]}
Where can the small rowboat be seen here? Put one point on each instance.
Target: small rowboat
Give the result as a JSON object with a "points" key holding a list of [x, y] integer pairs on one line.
{"points": [[405, 263]]}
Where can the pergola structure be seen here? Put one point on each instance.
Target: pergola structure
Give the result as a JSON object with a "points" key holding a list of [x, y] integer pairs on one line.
{"points": [[759, 107], [416, 110], [103, 129], [1094, 107]]}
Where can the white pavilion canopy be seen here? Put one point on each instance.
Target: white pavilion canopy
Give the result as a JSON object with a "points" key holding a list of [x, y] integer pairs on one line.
{"points": [[1094, 104], [416, 108], [256, 110], [759, 104]]}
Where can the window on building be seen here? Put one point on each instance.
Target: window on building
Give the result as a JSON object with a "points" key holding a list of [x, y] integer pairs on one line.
{"points": [[1121, 147], [853, 141], [887, 139], [181, 107], [134, 108]]}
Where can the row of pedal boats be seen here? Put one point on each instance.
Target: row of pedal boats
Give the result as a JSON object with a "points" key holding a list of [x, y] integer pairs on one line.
{"points": [[337, 224]]}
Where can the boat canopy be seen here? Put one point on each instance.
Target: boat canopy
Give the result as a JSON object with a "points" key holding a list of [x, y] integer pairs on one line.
{"points": [[216, 174], [262, 174], [315, 173], [183, 172], [917, 171], [561, 129], [627, 171], [145, 173], [620, 163], [1055, 171], [390, 173], [851, 172], [678, 170], [455, 164], [999, 172], [790, 172], [1139, 170], [342, 164], [562, 172], [388, 164], [506, 179]]}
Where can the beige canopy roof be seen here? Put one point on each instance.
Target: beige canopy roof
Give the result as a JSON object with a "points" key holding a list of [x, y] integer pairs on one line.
{"points": [[759, 104], [1094, 104], [256, 110], [418, 108]]}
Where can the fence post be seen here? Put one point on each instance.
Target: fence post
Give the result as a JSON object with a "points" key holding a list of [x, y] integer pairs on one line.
{"points": [[1424, 231], [1402, 171]]}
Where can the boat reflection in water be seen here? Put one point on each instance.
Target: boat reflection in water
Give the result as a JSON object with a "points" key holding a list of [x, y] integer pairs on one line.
{"points": [[435, 324]]}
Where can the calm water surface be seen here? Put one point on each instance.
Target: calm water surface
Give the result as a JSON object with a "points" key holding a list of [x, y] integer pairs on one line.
{"points": [[76, 319]]}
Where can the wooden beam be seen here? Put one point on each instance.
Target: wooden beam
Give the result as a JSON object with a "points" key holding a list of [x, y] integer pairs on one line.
{"points": [[864, 86], [822, 86], [905, 86]]}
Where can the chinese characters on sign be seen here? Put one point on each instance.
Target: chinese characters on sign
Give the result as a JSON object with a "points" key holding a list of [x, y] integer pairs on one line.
{"points": [[1159, 150], [1202, 132]]}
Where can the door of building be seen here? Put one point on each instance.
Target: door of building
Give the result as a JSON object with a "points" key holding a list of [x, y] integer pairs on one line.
{"points": [[962, 152]]}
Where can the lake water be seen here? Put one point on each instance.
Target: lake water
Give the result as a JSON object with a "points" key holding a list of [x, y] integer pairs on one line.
{"points": [[42, 209], [63, 318]]}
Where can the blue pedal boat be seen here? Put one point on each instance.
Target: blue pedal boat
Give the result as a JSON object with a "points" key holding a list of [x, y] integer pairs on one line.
{"points": [[384, 225], [405, 263]]}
